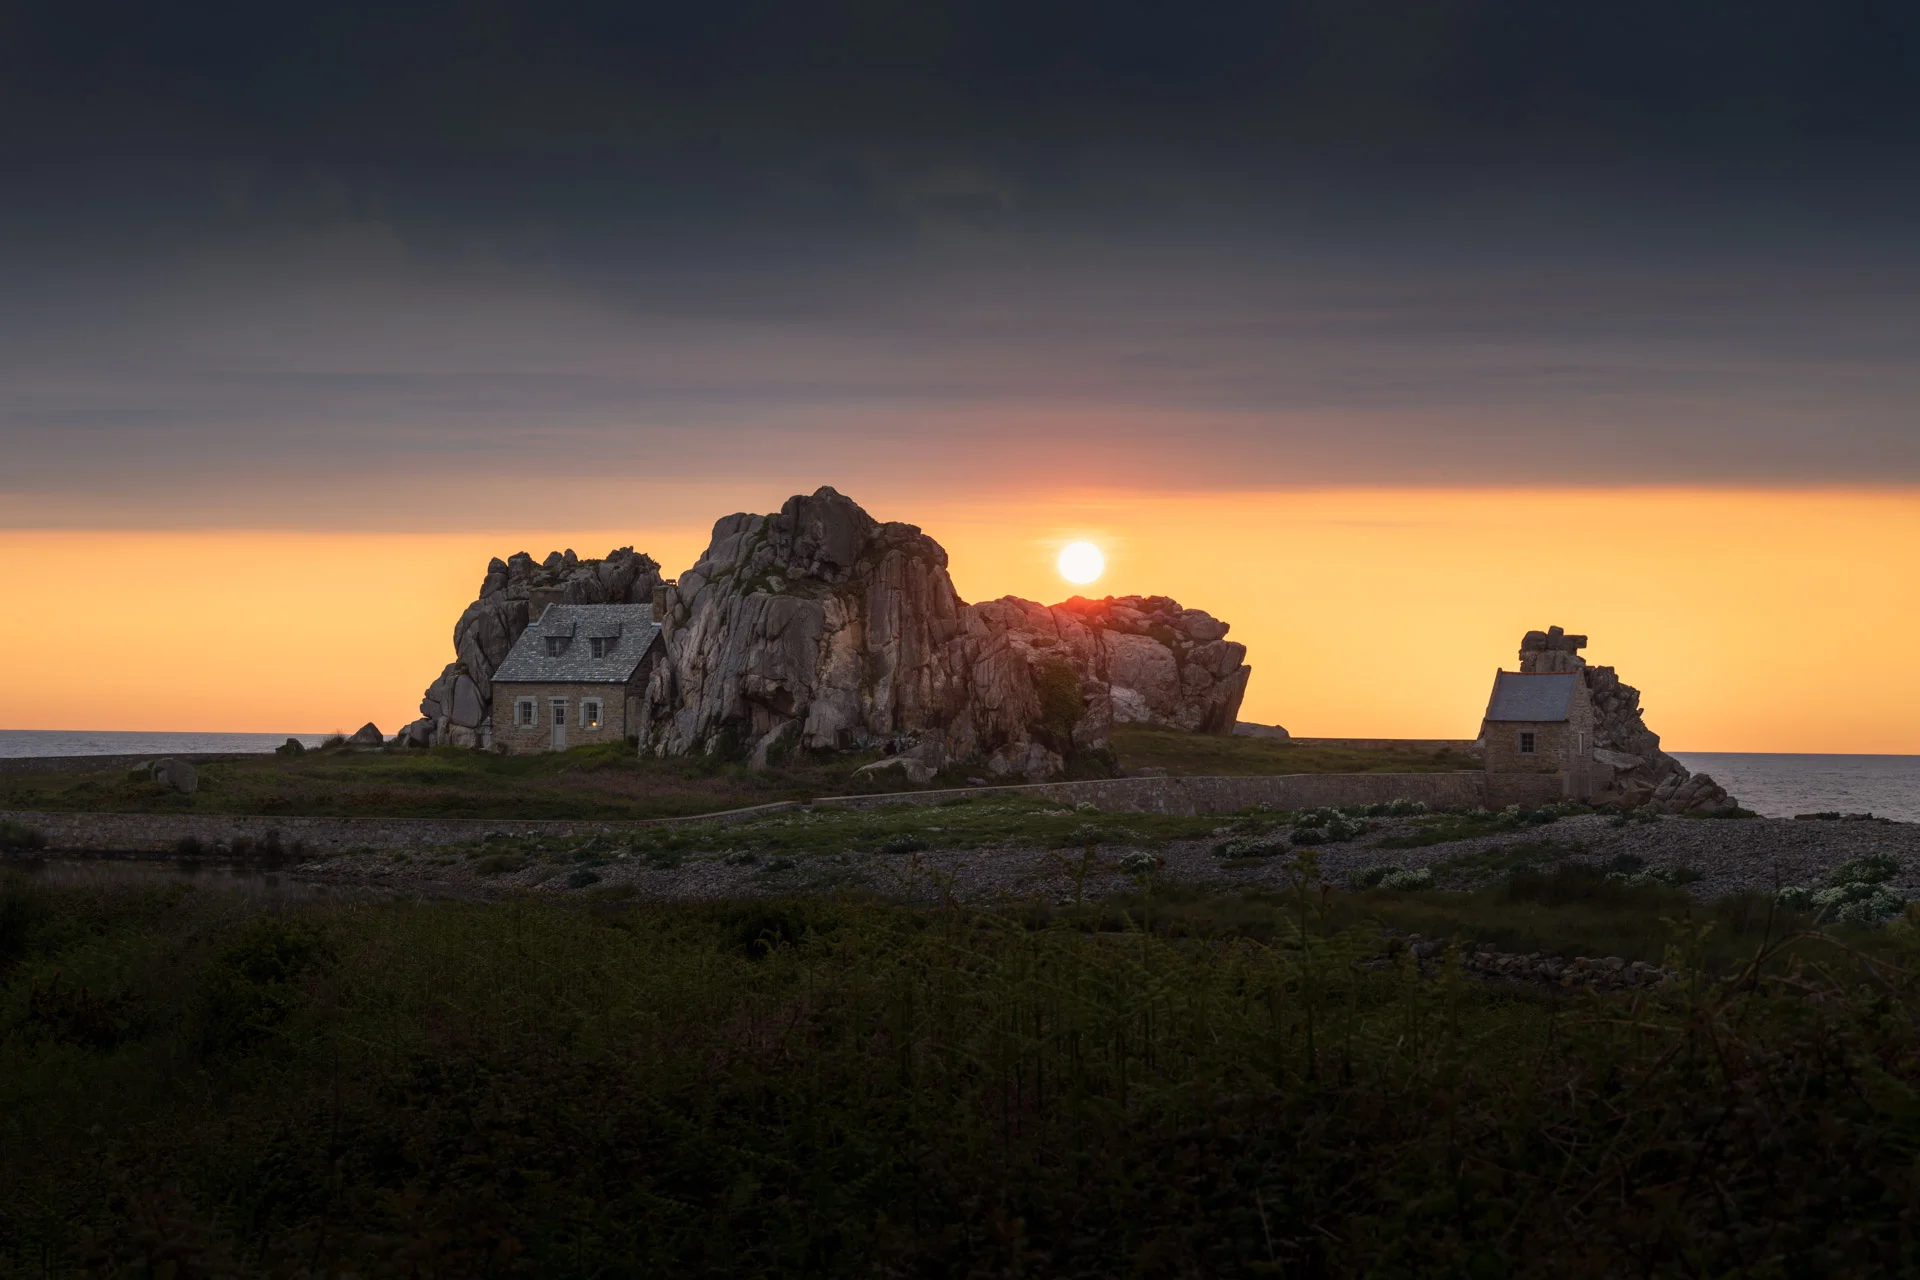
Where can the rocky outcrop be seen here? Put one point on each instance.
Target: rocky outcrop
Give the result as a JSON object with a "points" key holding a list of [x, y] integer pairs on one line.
{"points": [[1640, 773], [514, 592], [821, 628]]}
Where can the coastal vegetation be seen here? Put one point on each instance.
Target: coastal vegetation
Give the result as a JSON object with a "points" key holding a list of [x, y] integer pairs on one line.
{"points": [[610, 781], [1169, 1084]]}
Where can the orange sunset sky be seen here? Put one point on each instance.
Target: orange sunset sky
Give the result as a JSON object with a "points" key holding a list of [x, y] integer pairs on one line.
{"points": [[1384, 336], [1751, 620]]}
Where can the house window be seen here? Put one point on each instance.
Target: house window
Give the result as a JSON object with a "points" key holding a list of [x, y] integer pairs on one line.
{"points": [[525, 713], [1526, 742], [590, 713], [557, 645], [601, 645]]}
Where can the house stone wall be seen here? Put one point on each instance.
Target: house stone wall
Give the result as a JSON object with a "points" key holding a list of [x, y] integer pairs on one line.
{"points": [[1550, 746], [616, 702]]}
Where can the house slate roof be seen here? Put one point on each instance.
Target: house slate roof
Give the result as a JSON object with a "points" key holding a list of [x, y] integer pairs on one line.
{"points": [[1523, 696], [527, 662]]}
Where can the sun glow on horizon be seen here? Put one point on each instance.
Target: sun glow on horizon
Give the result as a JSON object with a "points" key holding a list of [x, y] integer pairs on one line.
{"points": [[1081, 563]]}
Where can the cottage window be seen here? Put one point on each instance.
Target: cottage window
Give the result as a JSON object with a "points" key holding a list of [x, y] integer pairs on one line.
{"points": [[601, 645], [560, 711], [1526, 742], [525, 714], [590, 713], [557, 645]]}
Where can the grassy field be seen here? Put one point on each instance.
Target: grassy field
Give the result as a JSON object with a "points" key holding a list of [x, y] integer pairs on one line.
{"points": [[1166, 1087], [597, 782], [1206, 755], [586, 782]]}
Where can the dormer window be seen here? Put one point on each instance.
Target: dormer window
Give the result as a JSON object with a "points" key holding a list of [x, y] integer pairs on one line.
{"points": [[557, 645], [602, 646]]}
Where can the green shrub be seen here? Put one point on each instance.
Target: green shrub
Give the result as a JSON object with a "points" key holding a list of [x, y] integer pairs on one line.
{"points": [[1408, 878], [1263, 846], [18, 838], [904, 843], [1875, 868], [1140, 863], [582, 878], [1855, 892], [255, 982], [1061, 704], [495, 864]]}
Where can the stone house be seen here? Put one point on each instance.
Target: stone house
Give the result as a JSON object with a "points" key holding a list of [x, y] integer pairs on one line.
{"points": [[575, 676], [1539, 727]]}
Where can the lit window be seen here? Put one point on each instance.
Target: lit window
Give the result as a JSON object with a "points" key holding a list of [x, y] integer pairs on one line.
{"points": [[590, 714], [1526, 744], [524, 714]]}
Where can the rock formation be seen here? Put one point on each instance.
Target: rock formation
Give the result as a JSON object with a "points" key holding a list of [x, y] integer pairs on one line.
{"points": [[819, 627], [513, 593], [1641, 773]]}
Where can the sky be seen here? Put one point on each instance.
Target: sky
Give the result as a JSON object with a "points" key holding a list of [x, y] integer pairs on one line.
{"points": [[1384, 331]]}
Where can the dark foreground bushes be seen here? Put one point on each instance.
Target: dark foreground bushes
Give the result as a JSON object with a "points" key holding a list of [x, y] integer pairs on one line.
{"points": [[803, 1088]]}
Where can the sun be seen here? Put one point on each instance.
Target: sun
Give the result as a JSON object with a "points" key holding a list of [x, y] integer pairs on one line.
{"points": [[1081, 562]]}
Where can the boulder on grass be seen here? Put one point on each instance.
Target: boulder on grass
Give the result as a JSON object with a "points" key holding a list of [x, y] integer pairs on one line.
{"points": [[367, 735], [896, 771], [176, 775]]}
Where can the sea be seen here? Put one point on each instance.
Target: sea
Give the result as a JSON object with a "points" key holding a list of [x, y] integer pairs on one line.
{"points": [[100, 742], [1776, 785], [1781, 785]]}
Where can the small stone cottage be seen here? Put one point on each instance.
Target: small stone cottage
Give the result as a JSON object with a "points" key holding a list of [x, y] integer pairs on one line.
{"points": [[1538, 725], [575, 676]]}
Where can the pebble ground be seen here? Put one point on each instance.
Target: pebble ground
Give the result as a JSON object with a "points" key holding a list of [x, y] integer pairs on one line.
{"points": [[1731, 855]]}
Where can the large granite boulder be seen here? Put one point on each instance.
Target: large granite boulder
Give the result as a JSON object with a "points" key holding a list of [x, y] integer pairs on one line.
{"points": [[1641, 773], [821, 628]]}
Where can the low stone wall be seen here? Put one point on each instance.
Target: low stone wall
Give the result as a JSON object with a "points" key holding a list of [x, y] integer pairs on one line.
{"points": [[1531, 790], [1217, 795], [163, 832]]}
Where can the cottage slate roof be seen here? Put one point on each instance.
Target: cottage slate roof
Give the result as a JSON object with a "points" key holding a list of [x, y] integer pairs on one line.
{"points": [[527, 662], [1524, 696]]}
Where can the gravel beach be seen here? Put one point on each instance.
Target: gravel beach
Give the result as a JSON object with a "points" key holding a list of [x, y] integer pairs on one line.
{"points": [[1730, 855]]}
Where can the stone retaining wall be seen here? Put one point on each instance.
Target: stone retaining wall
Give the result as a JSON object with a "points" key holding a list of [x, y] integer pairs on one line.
{"points": [[1220, 795]]}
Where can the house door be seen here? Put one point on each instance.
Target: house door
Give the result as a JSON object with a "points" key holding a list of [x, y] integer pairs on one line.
{"points": [[559, 706]]}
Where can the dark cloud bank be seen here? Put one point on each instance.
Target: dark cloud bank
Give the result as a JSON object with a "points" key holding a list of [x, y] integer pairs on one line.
{"points": [[305, 263]]}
